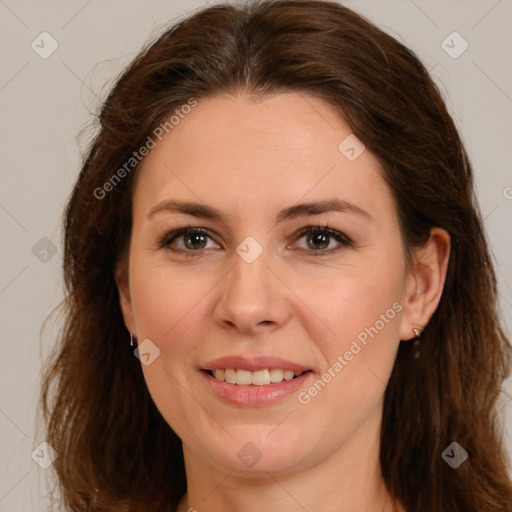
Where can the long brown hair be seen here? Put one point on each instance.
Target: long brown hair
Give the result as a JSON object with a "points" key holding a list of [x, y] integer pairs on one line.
{"points": [[115, 449]]}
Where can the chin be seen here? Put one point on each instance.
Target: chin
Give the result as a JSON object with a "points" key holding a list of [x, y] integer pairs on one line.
{"points": [[257, 450]]}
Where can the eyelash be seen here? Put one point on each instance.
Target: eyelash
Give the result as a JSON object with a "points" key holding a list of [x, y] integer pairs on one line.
{"points": [[345, 241]]}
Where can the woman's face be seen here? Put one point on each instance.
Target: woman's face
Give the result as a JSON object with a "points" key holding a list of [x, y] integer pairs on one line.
{"points": [[253, 288]]}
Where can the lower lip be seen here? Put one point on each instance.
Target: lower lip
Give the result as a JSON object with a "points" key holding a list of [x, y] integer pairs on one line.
{"points": [[255, 396]]}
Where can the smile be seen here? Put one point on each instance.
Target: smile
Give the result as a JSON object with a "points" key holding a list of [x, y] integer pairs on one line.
{"points": [[242, 377]]}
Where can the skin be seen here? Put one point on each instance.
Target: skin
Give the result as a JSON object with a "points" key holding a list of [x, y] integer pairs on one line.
{"points": [[251, 158]]}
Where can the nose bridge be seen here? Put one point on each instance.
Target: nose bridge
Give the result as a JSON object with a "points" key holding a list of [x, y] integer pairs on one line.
{"points": [[251, 275], [252, 292], [253, 271]]}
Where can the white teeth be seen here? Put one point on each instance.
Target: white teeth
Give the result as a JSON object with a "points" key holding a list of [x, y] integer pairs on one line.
{"points": [[258, 378], [243, 377], [276, 375], [230, 376]]}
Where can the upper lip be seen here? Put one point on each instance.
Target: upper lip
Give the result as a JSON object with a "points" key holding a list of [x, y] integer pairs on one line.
{"points": [[254, 363]]}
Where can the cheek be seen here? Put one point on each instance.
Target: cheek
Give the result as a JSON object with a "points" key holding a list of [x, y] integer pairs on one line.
{"points": [[168, 311], [362, 309], [357, 301], [164, 301]]}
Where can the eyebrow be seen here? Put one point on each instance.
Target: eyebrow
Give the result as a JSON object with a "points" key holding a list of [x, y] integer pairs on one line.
{"points": [[292, 212]]}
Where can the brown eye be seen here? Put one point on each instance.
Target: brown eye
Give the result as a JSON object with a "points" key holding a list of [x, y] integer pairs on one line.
{"points": [[186, 240], [195, 241], [318, 239]]}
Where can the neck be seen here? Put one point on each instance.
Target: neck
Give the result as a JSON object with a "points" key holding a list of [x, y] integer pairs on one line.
{"points": [[350, 479]]}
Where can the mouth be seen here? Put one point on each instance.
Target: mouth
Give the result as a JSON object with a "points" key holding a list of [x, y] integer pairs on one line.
{"points": [[254, 380], [244, 377]]}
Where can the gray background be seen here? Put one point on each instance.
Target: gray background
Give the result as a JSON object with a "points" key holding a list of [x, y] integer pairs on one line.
{"points": [[46, 102]]}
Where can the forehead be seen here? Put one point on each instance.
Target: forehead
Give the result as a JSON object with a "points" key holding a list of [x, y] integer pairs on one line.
{"points": [[247, 154]]}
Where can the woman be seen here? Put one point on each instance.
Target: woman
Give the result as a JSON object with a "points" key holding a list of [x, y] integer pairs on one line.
{"points": [[280, 296]]}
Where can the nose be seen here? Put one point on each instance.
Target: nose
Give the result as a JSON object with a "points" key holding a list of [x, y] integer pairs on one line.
{"points": [[253, 298]]}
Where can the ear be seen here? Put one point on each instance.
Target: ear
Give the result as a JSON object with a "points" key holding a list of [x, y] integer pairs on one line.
{"points": [[123, 287], [425, 282]]}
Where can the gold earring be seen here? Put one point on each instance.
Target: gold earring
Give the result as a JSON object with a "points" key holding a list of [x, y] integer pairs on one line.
{"points": [[417, 331], [416, 344], [131, 339]]}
